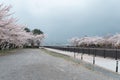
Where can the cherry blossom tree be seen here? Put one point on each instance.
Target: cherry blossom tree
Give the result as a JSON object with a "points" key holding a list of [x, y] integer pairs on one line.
{"points": [[96, 41], [12, 34]]}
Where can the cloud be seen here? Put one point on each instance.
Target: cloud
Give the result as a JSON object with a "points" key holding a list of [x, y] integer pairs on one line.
{"points": [[69, 18], [36, 7]]}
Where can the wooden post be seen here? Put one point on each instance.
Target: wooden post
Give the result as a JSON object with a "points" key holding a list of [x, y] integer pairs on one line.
{"points": [[94, 57], [74, 52], [82, 56], [116, 60], [74, 55], [116, 54], [104, 53], [116, 65], [89, 51]]}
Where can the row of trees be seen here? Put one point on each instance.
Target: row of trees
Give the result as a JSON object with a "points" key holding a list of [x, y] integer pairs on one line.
{"points": [[14, 35], [112, 41], [36, 38]]}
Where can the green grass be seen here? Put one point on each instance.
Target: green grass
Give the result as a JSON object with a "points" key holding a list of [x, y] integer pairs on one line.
{"points": [[77, 62], [7, 51], [55, 54], [71, 59]]}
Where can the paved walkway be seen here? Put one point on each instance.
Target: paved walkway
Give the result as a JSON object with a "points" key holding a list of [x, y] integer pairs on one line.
{"points": [[35, 64]]}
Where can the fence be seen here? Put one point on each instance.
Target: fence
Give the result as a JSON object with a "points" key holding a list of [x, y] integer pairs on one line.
{"points": [[102, 52]]}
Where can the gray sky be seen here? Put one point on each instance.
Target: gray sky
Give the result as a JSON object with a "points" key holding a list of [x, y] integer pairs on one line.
{"points": [[61, 20]]}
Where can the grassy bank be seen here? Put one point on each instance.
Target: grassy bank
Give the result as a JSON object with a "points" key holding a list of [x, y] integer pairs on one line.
{"points": [[7, 51], [68, 58], [89, 66]]}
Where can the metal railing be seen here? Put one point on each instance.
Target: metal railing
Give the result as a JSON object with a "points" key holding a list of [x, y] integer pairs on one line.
{"points": [[101, 52]]}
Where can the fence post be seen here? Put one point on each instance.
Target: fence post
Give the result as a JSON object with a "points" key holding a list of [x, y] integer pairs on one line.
{"points": [[116, 60], [89, 51], [104, 53], [74, 53], [117, 66], [82, 54], [94, 57], [116, 54]]}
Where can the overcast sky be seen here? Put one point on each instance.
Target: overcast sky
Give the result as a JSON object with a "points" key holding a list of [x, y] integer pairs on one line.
{"points": [[61, 20]]}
